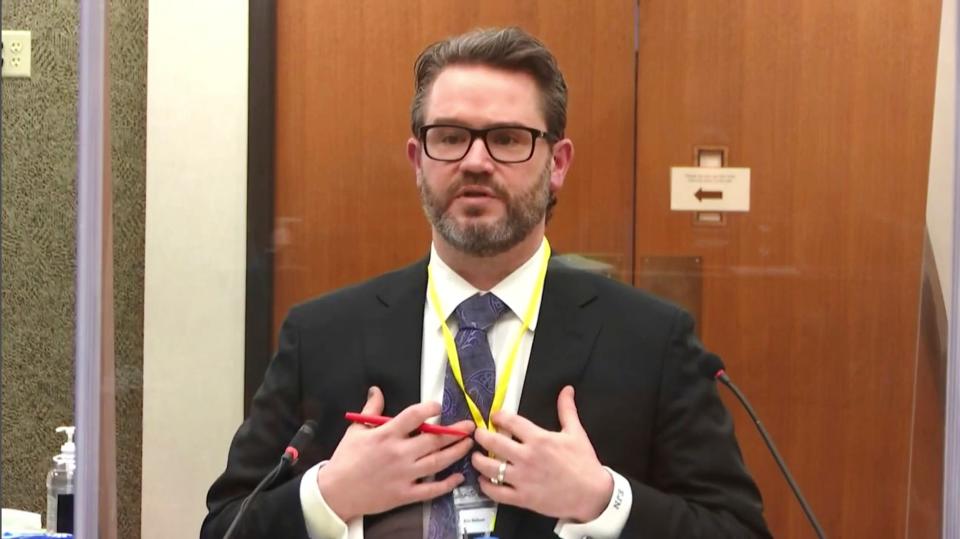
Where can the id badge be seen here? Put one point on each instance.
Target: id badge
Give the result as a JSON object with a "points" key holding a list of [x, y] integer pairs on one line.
{"points": [[475, 512]]}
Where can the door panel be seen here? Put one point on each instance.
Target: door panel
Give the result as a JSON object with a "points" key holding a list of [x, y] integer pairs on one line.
{"points": [[811, 296]]}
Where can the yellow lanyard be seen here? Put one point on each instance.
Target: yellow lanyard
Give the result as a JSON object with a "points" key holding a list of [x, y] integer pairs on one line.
{"points": [[454, 358]]}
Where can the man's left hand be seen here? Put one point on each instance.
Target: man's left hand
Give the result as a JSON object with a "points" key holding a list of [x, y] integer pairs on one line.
{"points": [[552, 473]]}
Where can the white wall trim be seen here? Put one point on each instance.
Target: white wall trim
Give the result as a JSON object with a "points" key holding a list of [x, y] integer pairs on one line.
{"points": [[943, 141], [194, 285]]}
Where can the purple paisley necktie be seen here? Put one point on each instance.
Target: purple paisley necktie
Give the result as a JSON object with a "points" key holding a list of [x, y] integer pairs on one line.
{"points": [[474, 316]]}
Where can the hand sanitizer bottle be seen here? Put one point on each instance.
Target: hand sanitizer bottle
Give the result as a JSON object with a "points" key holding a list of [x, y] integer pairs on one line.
{"points": [[60, 485]]}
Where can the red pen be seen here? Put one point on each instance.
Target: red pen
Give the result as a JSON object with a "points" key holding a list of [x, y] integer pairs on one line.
{"points": [[424, 427]]}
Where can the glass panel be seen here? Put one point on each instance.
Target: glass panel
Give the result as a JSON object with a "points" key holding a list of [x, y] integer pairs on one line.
{"points": [[38, 282], [127, 30], [925, 509], [827, 299], [39, 223]]}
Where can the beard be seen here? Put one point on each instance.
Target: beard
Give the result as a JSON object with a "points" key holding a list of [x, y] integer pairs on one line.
{"points": [[525, 210]]}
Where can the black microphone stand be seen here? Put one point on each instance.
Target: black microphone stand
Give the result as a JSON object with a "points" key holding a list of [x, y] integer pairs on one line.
{"points": [[722, 376], [290, 456], [266, 481]]}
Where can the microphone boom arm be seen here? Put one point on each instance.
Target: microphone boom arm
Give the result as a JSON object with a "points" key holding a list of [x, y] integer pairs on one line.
{"points": [[722, 376]]}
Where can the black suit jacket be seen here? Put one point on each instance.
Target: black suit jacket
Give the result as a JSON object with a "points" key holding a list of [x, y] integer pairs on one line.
{"points": [[632, 359]]}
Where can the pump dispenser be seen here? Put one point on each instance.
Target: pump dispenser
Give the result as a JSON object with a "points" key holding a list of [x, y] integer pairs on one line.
{"points": [[60, 486]]}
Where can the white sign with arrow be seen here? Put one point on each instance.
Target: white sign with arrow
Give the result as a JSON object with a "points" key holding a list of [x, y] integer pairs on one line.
{"points": [[709, 189]]}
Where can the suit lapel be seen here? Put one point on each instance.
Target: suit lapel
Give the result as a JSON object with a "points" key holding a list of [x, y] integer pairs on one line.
{"points": [[561, 348], [394, 338]]}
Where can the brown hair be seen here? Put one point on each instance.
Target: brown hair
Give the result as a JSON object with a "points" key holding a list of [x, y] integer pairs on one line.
{"points": [[506, 48]]}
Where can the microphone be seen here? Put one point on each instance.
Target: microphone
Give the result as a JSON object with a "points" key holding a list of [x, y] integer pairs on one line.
{"points": [[300, 440], [291, 455], [711, 366]]}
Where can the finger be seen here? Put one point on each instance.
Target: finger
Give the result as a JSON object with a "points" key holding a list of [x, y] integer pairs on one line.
{"points": [[425, 443], [500, 445], [520, 427], [490, 467], [421, 492], [567, 411], [412, 417], [501, 493], [439, 460], [505, 430], [373, 406], [467, 426]]}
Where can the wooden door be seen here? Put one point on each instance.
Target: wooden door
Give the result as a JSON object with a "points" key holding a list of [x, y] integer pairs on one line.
{"points": [[811, 296], [346, 204]]}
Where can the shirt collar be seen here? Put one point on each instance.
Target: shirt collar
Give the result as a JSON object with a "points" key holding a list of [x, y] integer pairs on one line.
{"points": [[514, 289]]}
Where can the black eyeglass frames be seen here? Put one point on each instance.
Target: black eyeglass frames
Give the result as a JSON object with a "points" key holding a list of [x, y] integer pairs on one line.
{"points": [[505, 144]]}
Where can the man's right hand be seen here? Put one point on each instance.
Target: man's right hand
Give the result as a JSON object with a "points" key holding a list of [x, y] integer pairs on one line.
{"points": [[377, 469]]}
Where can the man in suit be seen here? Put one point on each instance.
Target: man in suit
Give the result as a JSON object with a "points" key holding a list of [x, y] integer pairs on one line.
{"points": [[588, 412]]}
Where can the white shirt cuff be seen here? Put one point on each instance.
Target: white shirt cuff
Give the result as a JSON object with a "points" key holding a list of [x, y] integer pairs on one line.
{"points": [[610, 522], [321, 521]]}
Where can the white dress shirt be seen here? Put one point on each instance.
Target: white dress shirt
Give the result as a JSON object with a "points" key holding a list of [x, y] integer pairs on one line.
{"points": [[515, 291]]}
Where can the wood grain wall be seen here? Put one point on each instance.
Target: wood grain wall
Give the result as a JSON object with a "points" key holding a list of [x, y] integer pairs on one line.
{"points": [[346, 203], [812, 297]]}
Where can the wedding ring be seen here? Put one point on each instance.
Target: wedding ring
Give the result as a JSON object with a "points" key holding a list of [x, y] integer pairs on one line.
{"points": [[501, 471]]}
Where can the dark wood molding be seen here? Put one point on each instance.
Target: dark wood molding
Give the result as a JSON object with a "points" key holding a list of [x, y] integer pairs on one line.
{"points": [[934, 325], [925, 494], [260, 189]]}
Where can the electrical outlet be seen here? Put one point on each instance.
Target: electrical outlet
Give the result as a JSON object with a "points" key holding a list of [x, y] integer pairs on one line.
{"points": [[16, 53]]}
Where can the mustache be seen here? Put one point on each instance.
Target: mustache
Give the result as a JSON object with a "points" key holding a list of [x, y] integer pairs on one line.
{"points": [[480, 180]]}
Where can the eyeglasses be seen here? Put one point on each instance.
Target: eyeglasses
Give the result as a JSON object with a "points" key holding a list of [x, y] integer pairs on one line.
{"points": [[505, 144]]}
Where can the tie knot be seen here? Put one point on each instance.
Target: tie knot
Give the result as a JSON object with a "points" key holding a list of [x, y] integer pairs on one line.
{"points": [[479, 311]]}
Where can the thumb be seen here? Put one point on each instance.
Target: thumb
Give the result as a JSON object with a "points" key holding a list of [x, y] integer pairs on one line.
{"points": [[567, 411], [374, 405]]}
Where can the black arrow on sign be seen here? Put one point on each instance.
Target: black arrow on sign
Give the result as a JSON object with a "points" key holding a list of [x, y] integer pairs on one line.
{"points": [[701, 194]]}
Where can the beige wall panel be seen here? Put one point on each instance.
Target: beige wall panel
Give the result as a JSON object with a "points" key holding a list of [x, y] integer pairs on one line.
{"points": [[195, 257]]}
